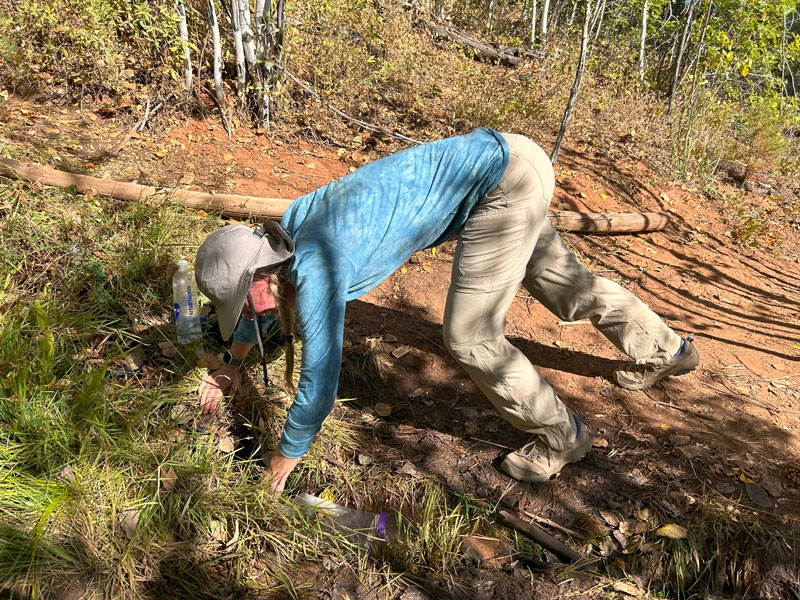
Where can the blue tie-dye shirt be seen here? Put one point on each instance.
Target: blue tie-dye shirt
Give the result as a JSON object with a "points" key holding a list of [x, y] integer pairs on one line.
{"points": [[354, 232]]}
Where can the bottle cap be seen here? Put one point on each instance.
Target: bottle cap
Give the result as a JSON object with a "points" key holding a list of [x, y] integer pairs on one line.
{"points": [[182, 264]]}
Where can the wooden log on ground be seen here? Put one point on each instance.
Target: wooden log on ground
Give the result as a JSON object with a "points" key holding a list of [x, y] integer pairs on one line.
{"points": [[594, 222], [235, 205]]}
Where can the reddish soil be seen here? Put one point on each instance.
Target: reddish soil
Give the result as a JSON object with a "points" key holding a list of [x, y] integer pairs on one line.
{"points": [[728, 431]]}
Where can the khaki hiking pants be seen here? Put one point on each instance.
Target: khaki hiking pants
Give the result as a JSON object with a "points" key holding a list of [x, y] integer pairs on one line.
{"points": [[508, 241]]}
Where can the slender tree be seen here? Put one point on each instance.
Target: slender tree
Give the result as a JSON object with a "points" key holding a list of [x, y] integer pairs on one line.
{"points": [[213, 25], [679, 58], [642, 39], [576, 85], [543, 26], [184, 32], [533, 24]]}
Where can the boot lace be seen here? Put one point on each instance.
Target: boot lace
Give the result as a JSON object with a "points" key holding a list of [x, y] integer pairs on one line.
{"points": [[532, 451]]}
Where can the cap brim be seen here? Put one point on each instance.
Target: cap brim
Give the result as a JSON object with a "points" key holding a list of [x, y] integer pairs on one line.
{"points": [[268, 255]]}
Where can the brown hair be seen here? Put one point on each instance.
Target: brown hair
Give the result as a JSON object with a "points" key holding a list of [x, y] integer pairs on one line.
{"points": [[279, 288]]}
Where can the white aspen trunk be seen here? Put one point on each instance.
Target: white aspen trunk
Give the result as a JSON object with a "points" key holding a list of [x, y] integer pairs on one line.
{"points": [[642, 39], [533, 24], [679, 59], [184, 31], [248, 37], [600, 19], [576, 85], [264, 32], [241, 73], [490, 16], [543, 30], [280, 24], [259, 17], [213, 25], [572, 15]]}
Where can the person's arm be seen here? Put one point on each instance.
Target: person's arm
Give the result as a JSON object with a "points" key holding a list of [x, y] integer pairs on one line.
{"points": [[214, 386], [321, 285]]}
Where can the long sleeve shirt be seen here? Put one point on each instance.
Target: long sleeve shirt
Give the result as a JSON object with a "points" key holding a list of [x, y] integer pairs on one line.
{"points": [[353, 233]]}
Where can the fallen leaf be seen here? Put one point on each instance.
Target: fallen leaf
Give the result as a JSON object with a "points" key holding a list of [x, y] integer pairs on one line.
{"points": [[758, 495], [583, 194], [201, 213], [408, 469], [483, 549], [219, 530], [628, 588], [745, 479], [428, 267], [680, 440], [401, 351], [311, 165], [778, 366], [168, 349], [135, 359], [599, 442], [160, 153], [168, 478], [187, 179], [228, 156], [672, 531], [773, 486], [382, 409], [129, 520], [226, 444]]}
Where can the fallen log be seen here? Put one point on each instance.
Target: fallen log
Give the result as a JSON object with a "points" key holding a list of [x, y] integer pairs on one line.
{"points": [[239, 206]]}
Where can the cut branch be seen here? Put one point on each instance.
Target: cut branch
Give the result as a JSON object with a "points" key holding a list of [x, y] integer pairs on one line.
{"points": [[273, 208]]}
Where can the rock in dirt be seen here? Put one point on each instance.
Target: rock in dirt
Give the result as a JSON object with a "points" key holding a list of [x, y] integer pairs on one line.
{"points": [[168, 349], [363, 460]]}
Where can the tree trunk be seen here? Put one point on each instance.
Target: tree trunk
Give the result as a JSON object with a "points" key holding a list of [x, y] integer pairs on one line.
{"points": [[490, 15], [642, 39], [576, 86], [265, 33], [248, 37], [600, 19], [543, 26], [533, 24], [184, 31], [572, 14], [241, 73], [273, 208], [213, 25], [679, 59]]}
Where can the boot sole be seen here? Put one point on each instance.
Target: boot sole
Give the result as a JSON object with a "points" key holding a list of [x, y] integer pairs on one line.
{"points": [[522, 474]]}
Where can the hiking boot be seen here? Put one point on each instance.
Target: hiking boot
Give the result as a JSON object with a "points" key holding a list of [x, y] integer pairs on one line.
{"points": [[641, 377], [537, 462]]}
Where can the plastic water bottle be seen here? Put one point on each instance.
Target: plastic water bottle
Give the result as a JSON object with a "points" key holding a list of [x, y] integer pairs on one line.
{"points": [[187, 310], [365, 529]]}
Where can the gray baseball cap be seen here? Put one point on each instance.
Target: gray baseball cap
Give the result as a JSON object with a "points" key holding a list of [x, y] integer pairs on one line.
{"points": [[227, 260]]}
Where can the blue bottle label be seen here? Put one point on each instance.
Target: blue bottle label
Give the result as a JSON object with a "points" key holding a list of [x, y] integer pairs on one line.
{"points": [[177, 312]]}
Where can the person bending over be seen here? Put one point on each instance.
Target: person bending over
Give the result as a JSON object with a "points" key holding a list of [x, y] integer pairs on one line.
{"points": [[490, 189]]}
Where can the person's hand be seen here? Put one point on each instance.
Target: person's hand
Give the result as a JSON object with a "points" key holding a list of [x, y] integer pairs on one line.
{"points": [[216, 385], [279, 469]]}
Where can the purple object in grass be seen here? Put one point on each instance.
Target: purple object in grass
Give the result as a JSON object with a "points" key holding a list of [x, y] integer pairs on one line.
{"points": [[380, 528]]}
